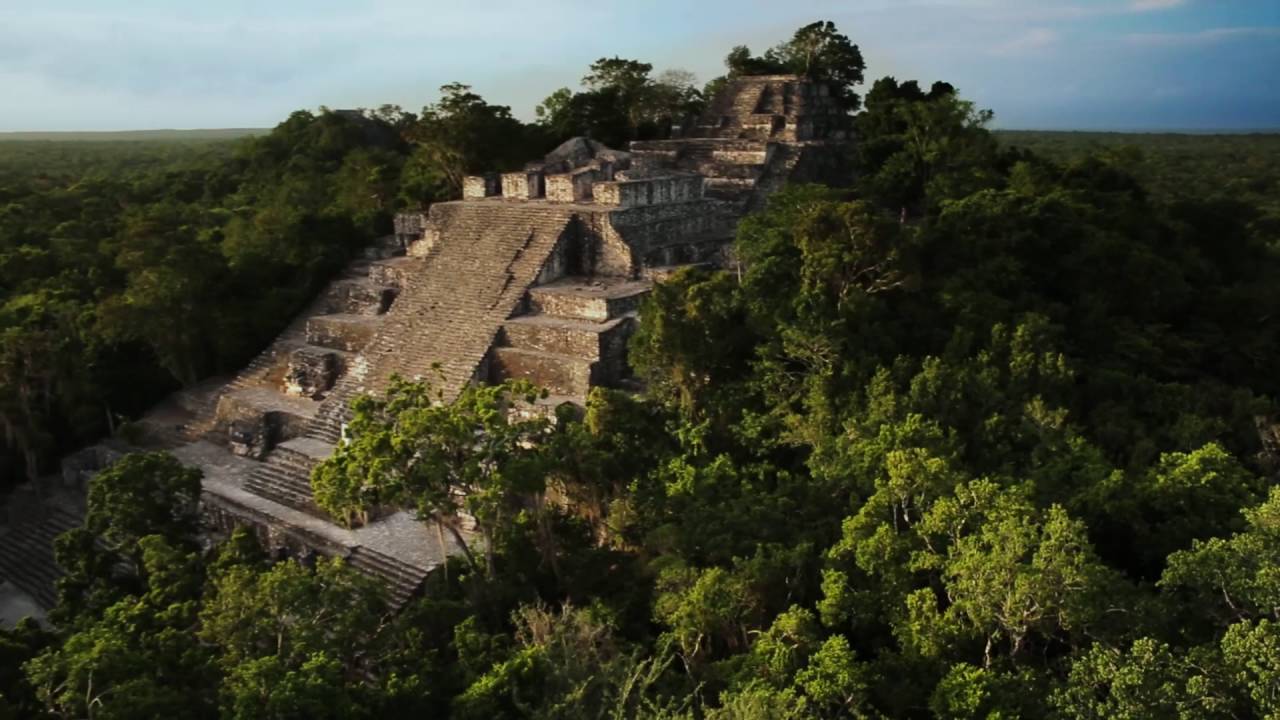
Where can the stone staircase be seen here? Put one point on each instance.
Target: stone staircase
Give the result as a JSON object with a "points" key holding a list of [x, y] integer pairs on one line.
{"points": [[454, 301], [732, 167], [719, 118], [362, 288], [759, 110], [776, 108], [285, 475], [449, 308], [26, 551], [284, 385], [402, 580]]}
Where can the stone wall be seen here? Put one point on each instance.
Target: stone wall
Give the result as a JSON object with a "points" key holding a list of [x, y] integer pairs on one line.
{"points": [[603, 251], [523, 185], [312, 371], [648, 191], [408, 227], [573, 187], [251, 429], [348, 333], [222, 516], [646, 230], [478, 187], [788, 108]]}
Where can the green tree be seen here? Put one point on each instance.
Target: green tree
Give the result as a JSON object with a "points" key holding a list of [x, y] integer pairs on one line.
{"points": [[139, 656], [294, 643], [140, 495], [462, 134], [817, 50], [481, 453]]}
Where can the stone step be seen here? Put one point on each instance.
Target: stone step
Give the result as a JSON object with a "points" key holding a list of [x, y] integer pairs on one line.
{"points": [[749, 156], [568, 336], [699, 147], [393, 272], [402, 580], [736, 189], [558, 374], [303, 453], [718, 170], [26, 552], [342, 331], [255, 419], [326, 432], [359, 296], [312, 370], [587, 299], [283, 485]]}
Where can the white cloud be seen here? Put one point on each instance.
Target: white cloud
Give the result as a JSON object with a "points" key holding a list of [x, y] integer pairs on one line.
{"points": [[1150, 5], [1210, 36], [1033, 39]]}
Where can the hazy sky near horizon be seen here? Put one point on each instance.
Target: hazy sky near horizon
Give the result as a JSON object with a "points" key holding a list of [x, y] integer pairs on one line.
{"points": [[1079, 64]]}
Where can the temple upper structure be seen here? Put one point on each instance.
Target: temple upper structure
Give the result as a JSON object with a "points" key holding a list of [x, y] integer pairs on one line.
{"points": [[536, 274]]}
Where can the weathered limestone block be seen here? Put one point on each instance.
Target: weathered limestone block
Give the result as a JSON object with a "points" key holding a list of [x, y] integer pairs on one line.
{"points": [[389, 273], [560, 188], [600, 250], [740, 157], [408, 226], [478, 187], [523, 185], [249, 437], [425, 244], [312, 371], [604, 342], [341, 331], [648, 191], [597, 302], [360, 297], [660, 230], [256, 419], [573, 186], [557, 335], [559, 374]]}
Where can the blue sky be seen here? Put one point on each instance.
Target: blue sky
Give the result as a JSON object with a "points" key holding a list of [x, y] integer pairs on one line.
{"points": [[1110, 64]]}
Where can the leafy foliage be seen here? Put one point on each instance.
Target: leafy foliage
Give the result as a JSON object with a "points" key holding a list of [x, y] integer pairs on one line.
{"points": [[984, 434], [622, 101]]}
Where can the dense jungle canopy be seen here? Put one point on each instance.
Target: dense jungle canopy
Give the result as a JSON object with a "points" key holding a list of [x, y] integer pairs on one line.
{"points": [[988, 430]]}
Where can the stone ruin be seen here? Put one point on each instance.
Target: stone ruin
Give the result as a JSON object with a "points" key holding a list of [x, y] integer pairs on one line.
{"points": [[537, 274]]}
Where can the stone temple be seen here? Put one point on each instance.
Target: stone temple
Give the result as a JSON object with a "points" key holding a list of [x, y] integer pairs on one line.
{"points": [[537, 274]]}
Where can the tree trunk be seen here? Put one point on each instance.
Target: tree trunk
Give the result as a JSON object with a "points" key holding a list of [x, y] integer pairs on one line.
{"points": [[457, 536], [547, 540], [489, 560], [443, 548]]}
